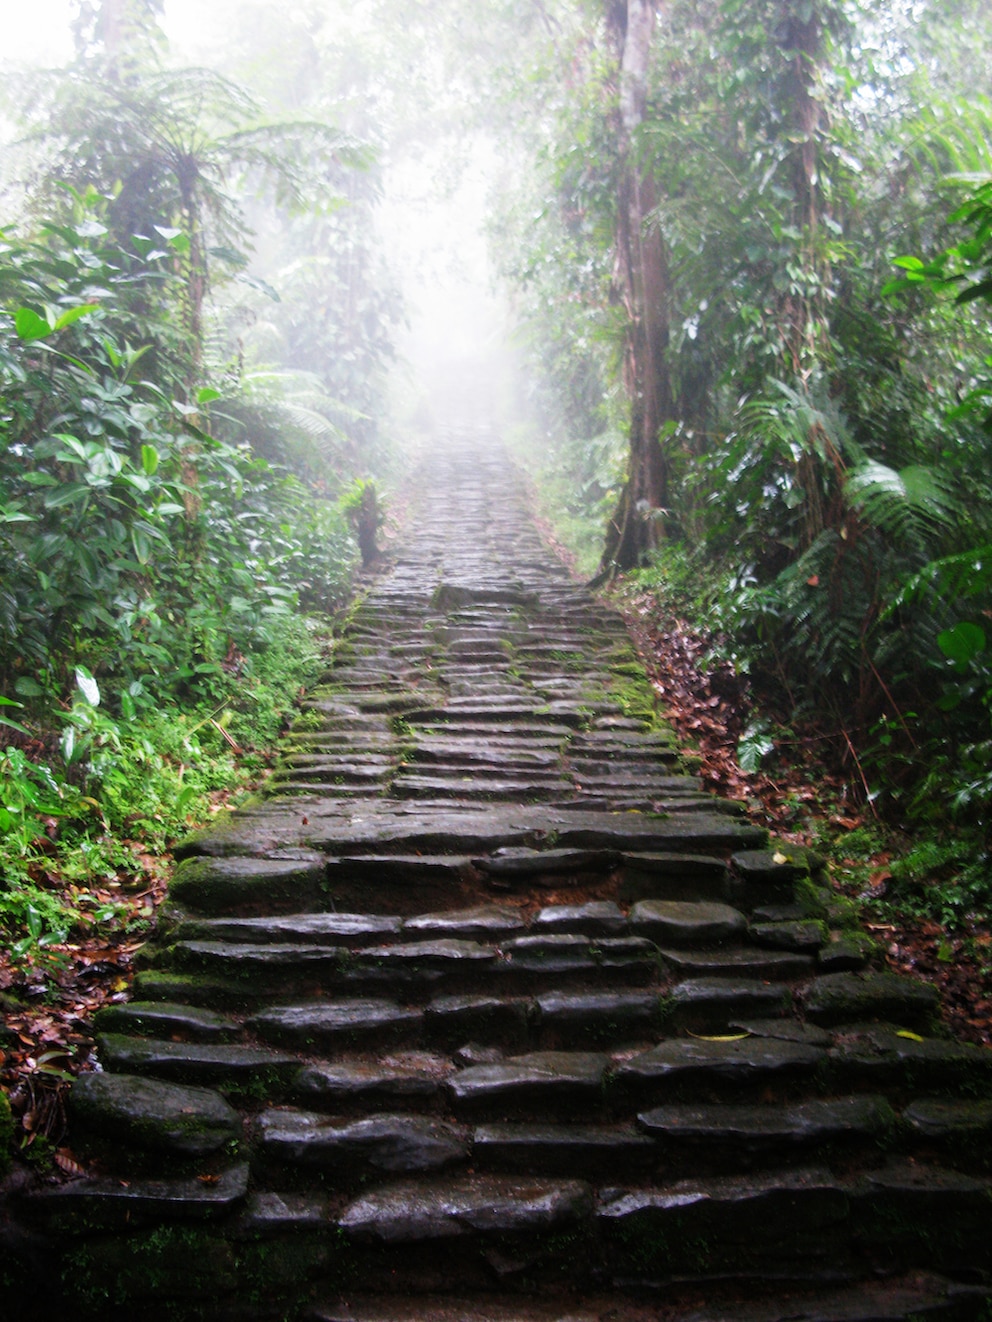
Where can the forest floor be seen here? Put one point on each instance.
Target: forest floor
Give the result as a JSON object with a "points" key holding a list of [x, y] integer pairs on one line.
{"points": [[806, 799]]}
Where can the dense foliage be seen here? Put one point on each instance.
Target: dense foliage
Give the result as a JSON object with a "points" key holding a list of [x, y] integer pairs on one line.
{"points": [[820, 259], [170, 498]]}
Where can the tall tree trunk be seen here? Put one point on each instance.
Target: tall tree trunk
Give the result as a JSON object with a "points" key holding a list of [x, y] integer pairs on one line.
{"points": [[643, 279]]}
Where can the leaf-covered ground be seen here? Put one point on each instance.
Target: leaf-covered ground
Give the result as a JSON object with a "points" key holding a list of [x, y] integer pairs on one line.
{"points": [[805, 799]]}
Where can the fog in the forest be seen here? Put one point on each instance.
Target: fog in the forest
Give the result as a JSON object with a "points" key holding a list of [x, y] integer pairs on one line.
{"points": [[442, 345]]}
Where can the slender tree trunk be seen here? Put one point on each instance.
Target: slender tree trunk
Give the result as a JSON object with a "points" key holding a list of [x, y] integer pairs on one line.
{"points": [[643, 279]]}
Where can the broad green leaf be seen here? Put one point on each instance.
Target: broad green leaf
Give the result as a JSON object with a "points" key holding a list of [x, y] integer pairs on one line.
{"points": [[73, 314], [28, 687], [207, 395], [30, 326], [87, 686], [149, 459], [962, 643]]}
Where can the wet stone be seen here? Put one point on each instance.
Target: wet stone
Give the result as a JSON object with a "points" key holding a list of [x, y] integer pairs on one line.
{"points": [[395, 1143], [597, 918], [705, 1002], [782, 864], [599, 1014], [324, 1024], [474, 1054], [767, 1126], [683, 923], [84, 1206], [440, 956], [219, 1063], [455, 1018], [470, 1205], [542, 1078], [785, 1030], [838, 998], [345, 1083], [268, 1214], [845, 954], [747, 962], [213, 885], [752, 1060], [157, 1018], [486, 922], [519, 861], [881, 1055], [561, 952], [331, 929], [947, 1119], [147, 1113], [807, 936], [745, 1210], [563, 1149]]}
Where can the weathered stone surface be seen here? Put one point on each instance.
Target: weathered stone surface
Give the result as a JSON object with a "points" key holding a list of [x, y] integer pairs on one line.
{"points": [[682, 923], [475, 1205], [784, 863], [600, 1015], [520, 861], [484, 922], [456, 1308], [807, 936], [267, 1214], [331, 929], [596, 918], [769, 1127], [455, 1018], [85, 1206], [564, 1149], [847, 953], [692, 1062], [326, 1024], [759, 1211], [155, 1018], [147, 1113], [838, 998], [882, 1055], [221, 1063], [946, 1118], [706, 1002], [395, 1143], [213, 885], [553, 1079], [786, 1030], [415, 1079], [742, 962]]}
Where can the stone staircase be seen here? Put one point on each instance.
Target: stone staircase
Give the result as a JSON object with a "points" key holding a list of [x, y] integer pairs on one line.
{"points": [[487, 1012]]}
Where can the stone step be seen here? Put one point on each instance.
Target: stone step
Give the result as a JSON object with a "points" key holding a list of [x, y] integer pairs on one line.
{"points": [[901, 1299]]}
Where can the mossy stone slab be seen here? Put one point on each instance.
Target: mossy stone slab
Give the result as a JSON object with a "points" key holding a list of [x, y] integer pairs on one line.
{"points": [[837, 998], [206, 1063], [219, 885], [166, 1018], [684, 923], [149, 1113]]}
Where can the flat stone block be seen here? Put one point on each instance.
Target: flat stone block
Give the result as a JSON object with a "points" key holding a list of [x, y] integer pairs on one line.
{"points": [[484, 922], [324, 1024], [472, 1205], [395, 1143], [597, 918], [221, 1063], [683, 923], [838, 998], [769, 1126], [213, 885], [696, 1062], [542, 1078], [148, 1113], [415, 1080]]}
